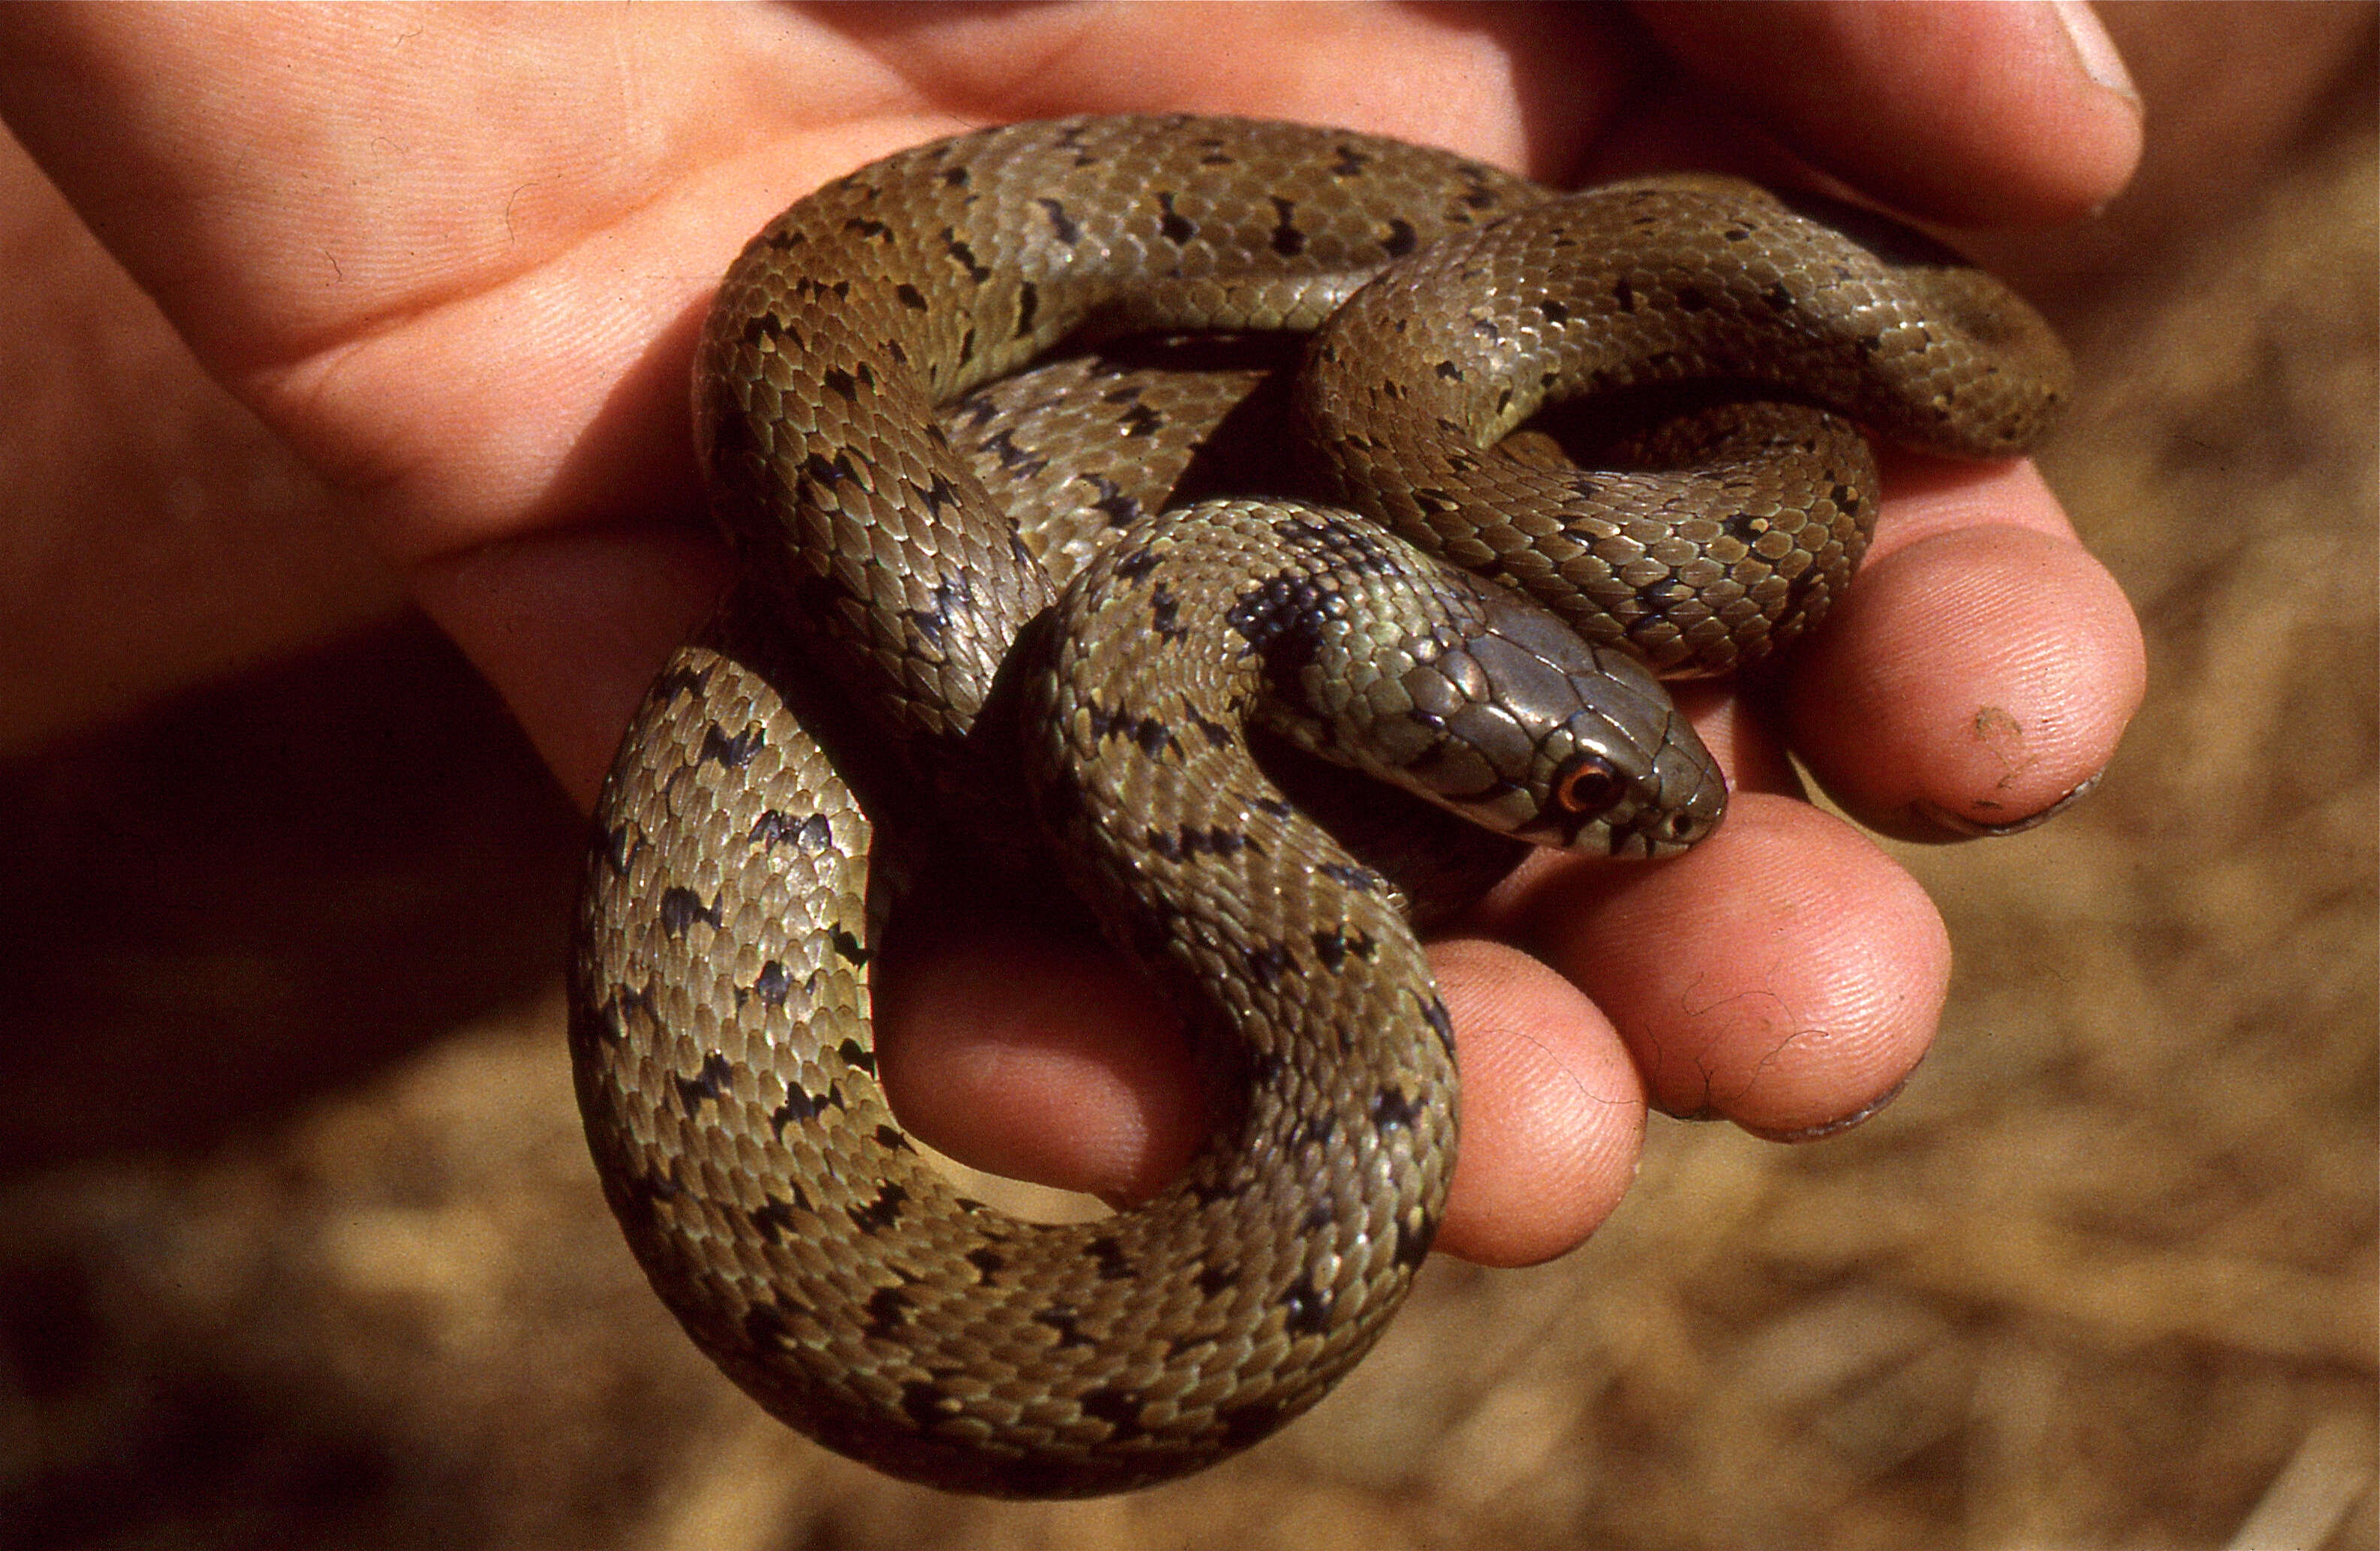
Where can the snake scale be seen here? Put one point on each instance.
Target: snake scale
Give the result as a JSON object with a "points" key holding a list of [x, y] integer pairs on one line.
{"points": [[898, 646]]}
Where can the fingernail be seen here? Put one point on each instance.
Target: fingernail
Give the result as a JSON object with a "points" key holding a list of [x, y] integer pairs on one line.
{"points": [[1825, 1129], [2094, 50], [1958, 826]]}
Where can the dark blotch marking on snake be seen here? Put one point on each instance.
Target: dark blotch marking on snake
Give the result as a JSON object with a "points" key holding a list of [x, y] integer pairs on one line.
{"points": [[809, 835], [1307, 1309], [1061, 226], [680, 907], [801, 1108], [774, 983], [1120, 1409], [775, 1216], [883, 1212], [1114, 1264], [887, 1310], [731, 753], [711, 1082]]}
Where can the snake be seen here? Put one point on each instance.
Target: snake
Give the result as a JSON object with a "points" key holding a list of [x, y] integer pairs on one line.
{"points": [[1442, 594]]}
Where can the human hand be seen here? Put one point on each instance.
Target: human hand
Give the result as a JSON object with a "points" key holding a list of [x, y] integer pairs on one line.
{"points": [[457, 260]]}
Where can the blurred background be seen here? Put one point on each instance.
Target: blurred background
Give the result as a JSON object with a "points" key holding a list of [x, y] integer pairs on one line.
{"points": [[299, 1245]]}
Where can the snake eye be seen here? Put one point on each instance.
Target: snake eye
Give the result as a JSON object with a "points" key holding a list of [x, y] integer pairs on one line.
{"points": [[1586, 785]]}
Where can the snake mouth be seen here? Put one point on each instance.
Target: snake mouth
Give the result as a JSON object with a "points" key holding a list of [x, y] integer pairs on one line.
{"points": [[1654, 831], [1640, 830], [1675, 832], [1650, 843]]}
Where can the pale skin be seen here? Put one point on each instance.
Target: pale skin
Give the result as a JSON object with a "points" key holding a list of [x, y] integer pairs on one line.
{"points": [[456, 259]]}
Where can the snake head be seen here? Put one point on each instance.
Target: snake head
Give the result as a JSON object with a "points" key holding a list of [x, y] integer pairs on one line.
{"points": [[1557, 741], [1628, 805]]}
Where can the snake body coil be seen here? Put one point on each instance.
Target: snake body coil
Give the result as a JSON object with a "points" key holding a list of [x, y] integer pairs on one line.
{"points": [[719, 1022]]}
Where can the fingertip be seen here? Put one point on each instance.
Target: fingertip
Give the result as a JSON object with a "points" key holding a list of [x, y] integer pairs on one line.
{"points": [[571, 626], [1037, 1054], [1785, 973], [1973, 114], [1552, 1113], [1029, 1056], [1973, 680]]}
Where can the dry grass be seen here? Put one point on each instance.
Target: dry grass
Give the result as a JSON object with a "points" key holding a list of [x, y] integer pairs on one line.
{"points": [[2103, 1276]]}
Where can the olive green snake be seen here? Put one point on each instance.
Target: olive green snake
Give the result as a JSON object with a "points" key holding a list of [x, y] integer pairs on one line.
{"points": [[898, 647]]}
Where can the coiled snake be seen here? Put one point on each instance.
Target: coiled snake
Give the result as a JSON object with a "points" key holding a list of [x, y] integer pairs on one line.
{"points": [[720, 1021]]}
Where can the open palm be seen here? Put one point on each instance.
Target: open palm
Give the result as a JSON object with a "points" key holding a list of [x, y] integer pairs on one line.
{"points": [[456, 258]]}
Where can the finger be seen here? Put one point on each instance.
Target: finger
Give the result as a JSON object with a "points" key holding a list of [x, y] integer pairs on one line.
{"points": [[1523, 86], [1785, 973], [1974, 114], [1552, 1111], [1981, 670], [1027, 1047], [572, 627], [1041, 1054]]}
